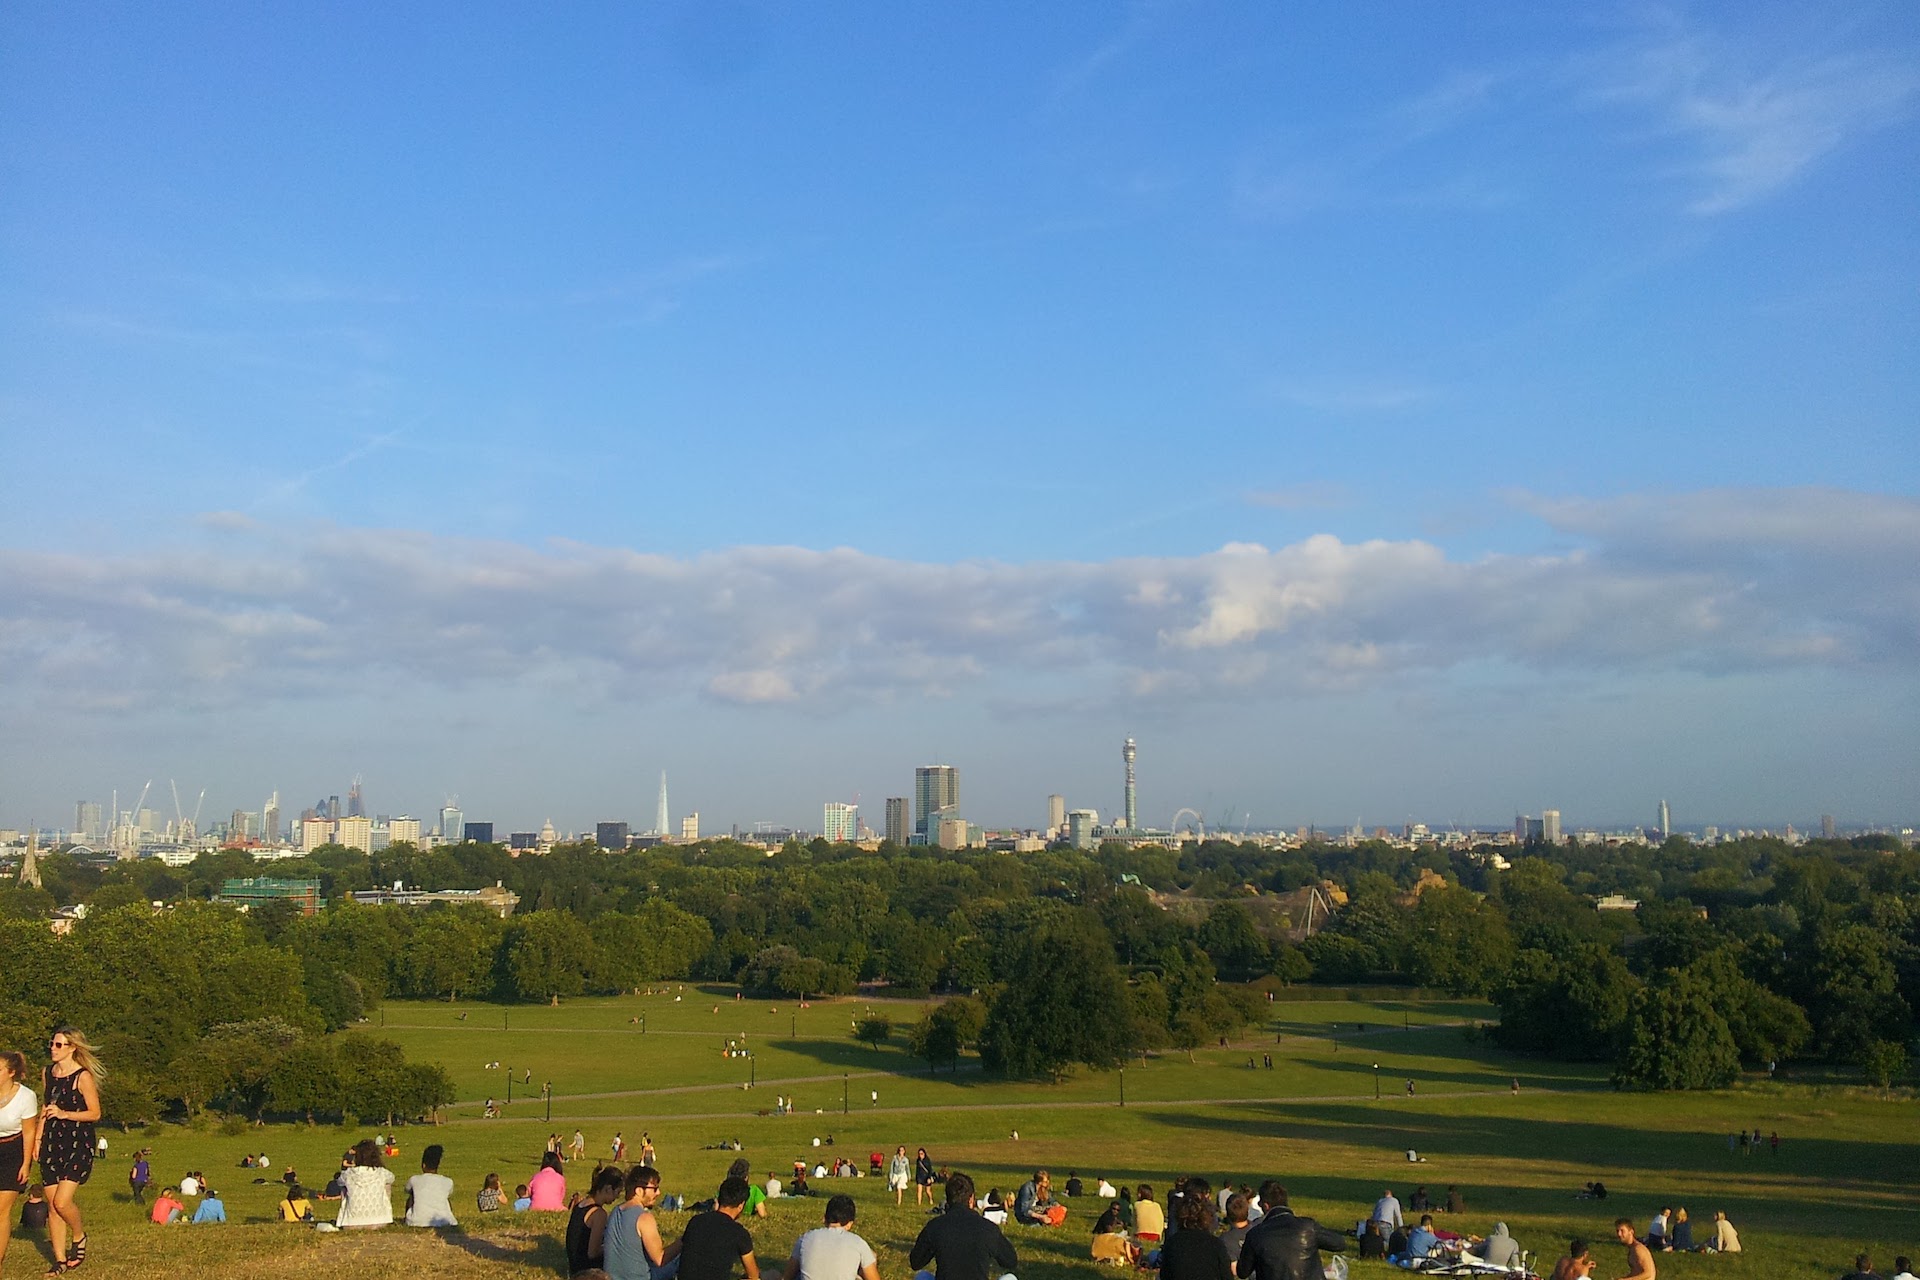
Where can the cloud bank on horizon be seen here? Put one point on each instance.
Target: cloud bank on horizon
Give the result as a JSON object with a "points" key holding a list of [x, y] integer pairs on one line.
{"points": [[1711, 583]]}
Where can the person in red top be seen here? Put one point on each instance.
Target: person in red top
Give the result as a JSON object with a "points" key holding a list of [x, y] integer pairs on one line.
{"points": [[168, 1207]]}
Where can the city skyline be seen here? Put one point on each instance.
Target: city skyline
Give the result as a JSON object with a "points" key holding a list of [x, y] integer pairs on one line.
{"points": [[1373, 411]]}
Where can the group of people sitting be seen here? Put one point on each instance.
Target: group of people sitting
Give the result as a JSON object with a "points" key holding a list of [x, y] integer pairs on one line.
{"points": [[1204, 1234], [1671, 1232]]}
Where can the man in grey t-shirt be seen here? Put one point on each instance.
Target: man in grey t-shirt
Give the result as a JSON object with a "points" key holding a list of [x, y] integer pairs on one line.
{"points": [[833, 1252]]}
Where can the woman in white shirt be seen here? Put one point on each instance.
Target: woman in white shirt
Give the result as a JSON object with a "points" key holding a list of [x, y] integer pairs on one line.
{"points": [[19, 1136], [368, 1201]]}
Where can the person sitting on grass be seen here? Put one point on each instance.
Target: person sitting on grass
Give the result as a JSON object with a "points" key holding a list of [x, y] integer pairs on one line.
{"points": [[1680, 1233], [1862, 1269], [1149, 1219], [960, 1244], [587, 1224], [368, 1201], [715, 1241], [1499, 1249], [490, 1197], [1725, 1238], [1422, 1241], [1285, 1246], [833, 1251], [994, 1208], [548, 1186], [1033, 1204], [522, 1201], [1639, 1257], [296, 1208], [1110, 1243], [634, 1248], [430, 1193], [210, 1209], [1239, 1222], [1193, 1252], [1902, 1266], [756, 1194], [167, 1208], [1578, 1264]]}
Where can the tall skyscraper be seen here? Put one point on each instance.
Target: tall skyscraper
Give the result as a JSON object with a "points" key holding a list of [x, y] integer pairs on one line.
{"points": [[1056, 814], [690, 827], [936, 793], [1133, 813], [356, 803], [88, 821], [660, 814], [1666, 821], [1550, 825], [452, 822], [270, 820], [838, 821], [899, 818], [1828, 830]]}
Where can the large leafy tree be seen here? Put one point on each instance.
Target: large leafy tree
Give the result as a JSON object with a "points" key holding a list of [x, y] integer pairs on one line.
{"points": [[1676, 1038], [1063, 1002], [548, 955]]}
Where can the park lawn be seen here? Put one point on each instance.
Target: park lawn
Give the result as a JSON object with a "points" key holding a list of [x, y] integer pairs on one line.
{"points": [[1839, 1184]]}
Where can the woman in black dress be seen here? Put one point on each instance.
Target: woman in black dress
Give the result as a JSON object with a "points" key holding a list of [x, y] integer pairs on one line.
{"points": [[72, 1097], [19, 1128]]}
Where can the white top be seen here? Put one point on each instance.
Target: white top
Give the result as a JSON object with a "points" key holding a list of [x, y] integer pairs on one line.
{"points": [[832, 1253], [189, 1186], [1106, 1190], [1387, 1209], [431, 1200], [773, 1188], [369, 1198], [22, 1106]]}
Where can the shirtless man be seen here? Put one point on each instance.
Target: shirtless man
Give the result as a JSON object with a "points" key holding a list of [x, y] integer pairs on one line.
{"points": [[1639, 1257]]}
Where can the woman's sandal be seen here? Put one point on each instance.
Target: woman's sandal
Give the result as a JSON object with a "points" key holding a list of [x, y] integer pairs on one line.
{"points": [[76, 1253]]}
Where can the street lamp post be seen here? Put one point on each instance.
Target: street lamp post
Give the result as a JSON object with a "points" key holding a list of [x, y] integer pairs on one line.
{"points": [[793, 1026], [1123, 1087], [753, 1069], [547, 1089], [509, 1086], [1376, 1082], [844, 1079], [643, 1024]]}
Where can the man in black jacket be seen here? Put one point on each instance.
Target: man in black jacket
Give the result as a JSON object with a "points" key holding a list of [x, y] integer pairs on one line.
{"points": [[960, 1244], [1283, 1245]]}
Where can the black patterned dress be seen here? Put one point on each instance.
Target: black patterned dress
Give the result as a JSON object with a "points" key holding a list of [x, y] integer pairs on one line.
{"points": [[66, 1146]]}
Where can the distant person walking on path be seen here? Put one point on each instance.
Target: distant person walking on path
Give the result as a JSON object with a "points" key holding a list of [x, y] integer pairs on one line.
{"points": [[19, 1135], [72, 1092]]}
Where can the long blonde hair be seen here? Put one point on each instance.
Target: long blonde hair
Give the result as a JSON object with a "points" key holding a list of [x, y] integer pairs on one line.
{"points": [[83, 1053]]}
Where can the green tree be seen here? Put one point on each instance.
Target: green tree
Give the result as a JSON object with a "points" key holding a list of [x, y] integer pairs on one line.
{"points": [[306, 1079], [1676, 1038], [548, 955], [1238, 951], [1883, 1062], [451, 954], [874, 1030], [1064, 1002]]}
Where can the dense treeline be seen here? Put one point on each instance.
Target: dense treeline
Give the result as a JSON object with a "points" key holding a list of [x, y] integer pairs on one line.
{"points": [[193, 1007], [1751, 951]]}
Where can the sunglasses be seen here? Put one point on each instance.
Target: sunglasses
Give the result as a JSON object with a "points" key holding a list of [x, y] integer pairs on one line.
{"points": [[59, 1044]]}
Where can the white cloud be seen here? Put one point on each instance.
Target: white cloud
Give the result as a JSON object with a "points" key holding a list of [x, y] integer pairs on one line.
{"points": [[1751, 130], [1714, 582]]}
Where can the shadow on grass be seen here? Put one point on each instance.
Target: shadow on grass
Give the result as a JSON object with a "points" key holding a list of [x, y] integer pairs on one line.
{"points": [[1633, 1161], [523, 1247]]}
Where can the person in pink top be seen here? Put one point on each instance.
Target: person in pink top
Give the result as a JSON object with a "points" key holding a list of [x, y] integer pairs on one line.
{"points": [[548, 1188]]}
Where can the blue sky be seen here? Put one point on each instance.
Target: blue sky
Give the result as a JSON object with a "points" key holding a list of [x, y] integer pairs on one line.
{"points": [[1377, 410]]}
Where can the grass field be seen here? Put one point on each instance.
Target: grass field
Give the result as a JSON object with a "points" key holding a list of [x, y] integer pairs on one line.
{"points": [[1842, 1181]]}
